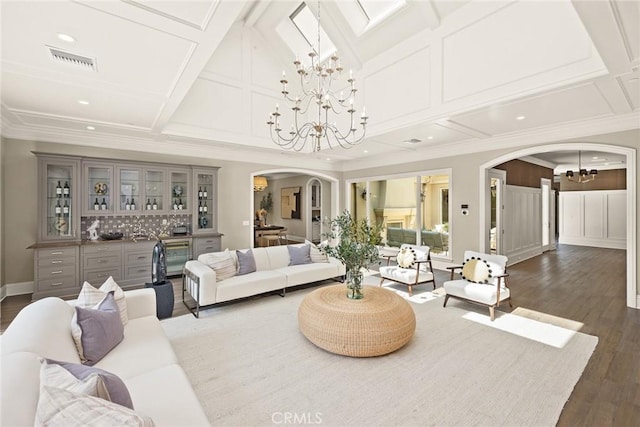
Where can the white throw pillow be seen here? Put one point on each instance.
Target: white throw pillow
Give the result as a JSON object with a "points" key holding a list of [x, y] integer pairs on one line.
{"points": [[406, 257], [89, 297], [317, 254], [60, 407]]}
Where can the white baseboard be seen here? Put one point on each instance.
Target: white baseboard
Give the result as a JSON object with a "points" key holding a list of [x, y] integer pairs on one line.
{"points": [[3, 292], [20, 288], [596, 243], [517, 257], [638, 302]]}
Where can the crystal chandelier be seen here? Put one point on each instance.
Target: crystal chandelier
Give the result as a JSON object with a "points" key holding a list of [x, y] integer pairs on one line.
{"points": [[583, 175], [316, 92]]}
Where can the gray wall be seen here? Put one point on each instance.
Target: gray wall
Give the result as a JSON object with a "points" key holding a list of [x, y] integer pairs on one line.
{"points": [[19, 205], [236, 194]]}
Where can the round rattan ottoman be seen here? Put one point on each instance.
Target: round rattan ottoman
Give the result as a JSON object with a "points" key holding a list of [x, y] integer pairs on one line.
{"points": [[377, 324]]}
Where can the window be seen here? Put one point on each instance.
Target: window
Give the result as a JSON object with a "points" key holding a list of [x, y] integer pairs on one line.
{"points": [[307, 24], [411, 208], [375, 9]]}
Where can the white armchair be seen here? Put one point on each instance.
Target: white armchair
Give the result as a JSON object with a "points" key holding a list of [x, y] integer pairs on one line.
{"points": [[483, 281], [414, 267]]}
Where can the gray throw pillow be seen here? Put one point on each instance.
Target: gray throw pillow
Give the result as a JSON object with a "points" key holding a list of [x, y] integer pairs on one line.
{"points": [[113, 388], [101, 329], [246, 262], [299, 255]]}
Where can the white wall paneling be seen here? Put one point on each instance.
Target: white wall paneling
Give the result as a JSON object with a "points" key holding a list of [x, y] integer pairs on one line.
{"points": [[522, 223], [593, 218], [411, 77]]}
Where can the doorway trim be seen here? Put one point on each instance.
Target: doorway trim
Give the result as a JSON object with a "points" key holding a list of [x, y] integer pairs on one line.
{"points": [[335, 189], [500, 193], [633, 299]]}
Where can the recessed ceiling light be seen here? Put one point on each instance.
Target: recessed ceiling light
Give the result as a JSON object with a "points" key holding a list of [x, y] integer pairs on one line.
{"points": [[595, 158], [366, 151], [520, 118], [429, 137], [91, 128], [66, 37], [83, 102], [328, 159]]}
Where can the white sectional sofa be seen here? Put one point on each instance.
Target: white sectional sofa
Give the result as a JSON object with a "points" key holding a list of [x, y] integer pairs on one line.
{"points": [[144, 360], [273, 272]]}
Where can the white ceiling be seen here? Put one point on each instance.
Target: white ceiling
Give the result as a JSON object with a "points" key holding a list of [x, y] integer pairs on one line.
{"points": [[201, 77]]}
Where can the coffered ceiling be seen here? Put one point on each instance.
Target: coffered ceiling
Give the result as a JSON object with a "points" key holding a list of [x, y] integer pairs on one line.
{"points": [[437, 77]]}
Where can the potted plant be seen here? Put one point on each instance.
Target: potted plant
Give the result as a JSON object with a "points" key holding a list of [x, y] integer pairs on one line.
{"points": [[266, 205], [356, 246]]}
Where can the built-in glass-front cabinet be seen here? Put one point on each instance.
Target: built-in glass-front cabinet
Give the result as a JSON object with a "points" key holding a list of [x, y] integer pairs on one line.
{"points": [[58, 199], [98, 188], [180, 189], [205, 188]]}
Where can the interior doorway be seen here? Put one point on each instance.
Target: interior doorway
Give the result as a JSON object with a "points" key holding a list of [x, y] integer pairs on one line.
{"points": [[497, 183], [547, 215]]}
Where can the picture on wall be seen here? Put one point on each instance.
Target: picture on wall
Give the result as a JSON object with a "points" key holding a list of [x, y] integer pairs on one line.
{"points": [[290, 203]]}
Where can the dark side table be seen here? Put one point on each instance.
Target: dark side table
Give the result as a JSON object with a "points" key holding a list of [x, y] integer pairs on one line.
{"points": [[164, 298]]}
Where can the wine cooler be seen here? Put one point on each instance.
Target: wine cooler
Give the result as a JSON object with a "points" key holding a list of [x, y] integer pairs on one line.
{"points": [[177, 252]]}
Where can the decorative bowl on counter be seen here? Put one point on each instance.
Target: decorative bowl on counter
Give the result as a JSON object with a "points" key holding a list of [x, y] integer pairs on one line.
{"points": [[111, 236]]}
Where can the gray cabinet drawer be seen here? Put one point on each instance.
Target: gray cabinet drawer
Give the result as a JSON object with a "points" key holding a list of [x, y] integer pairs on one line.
{"points": [[58, 283], [138, 258], [67, 252], [137, 272], [203, 245], [102, 261], [100, 248], [49, 272], [97, 277], [57, 261]]}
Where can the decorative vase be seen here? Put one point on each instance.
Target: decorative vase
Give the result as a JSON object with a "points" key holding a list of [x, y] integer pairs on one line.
{"points": [[354, 284], [159, 264]]}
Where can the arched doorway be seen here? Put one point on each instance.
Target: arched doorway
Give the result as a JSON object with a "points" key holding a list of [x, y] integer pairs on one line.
{"points": [[630, 153], [330, 203]]}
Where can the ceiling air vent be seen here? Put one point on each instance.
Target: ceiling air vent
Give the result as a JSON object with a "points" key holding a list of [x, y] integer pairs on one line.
{"points": [[84, 62]]}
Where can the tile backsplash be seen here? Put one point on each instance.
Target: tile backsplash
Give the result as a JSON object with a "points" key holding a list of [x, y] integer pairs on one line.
{"points": [[127, 224]]}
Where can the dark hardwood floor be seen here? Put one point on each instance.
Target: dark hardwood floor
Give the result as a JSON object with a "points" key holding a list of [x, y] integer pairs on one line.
{"points": [[586, 285]]}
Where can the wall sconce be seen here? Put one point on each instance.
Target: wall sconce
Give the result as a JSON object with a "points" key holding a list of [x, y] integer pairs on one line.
{"points": [[364, 194], [259, 183]]}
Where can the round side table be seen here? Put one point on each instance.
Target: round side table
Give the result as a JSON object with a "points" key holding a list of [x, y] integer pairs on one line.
{"points": [[377, 324]]}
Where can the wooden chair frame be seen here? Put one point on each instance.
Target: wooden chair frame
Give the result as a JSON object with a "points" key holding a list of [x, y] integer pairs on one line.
{"points": [[503, 278]]}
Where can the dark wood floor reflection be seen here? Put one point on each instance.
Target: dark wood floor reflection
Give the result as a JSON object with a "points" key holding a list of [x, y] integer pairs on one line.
{"points": [[586, 285]]}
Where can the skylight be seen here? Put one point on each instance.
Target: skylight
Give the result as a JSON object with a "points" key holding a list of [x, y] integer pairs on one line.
{"points": [[376, 9], [305, 21]]}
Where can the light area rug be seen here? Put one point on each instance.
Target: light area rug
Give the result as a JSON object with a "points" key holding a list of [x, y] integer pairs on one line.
{"points": [[250, 366]]}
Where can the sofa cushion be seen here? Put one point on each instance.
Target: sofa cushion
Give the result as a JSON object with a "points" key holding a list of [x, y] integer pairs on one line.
{"points": [[89, 296], [246, 262], [161, 391], [144, 348], [480, 292], [70, 375], [299, 254], [308, 273], [59, 407], [224, 268], [20, 382], [251, 284], [315, 253], [97, 330]]}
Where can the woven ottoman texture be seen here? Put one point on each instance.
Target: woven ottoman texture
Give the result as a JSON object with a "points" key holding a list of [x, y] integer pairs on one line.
{"points": [[377, 324]]}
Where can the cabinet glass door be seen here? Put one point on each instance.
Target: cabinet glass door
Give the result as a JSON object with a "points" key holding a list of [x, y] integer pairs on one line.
{"points": [[99, 196], [154, 185], [205, 192], [129, 199], [180, 190], [60, 193]]}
